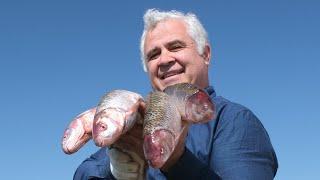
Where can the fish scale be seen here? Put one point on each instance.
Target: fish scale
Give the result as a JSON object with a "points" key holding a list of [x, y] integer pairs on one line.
{"points": [[160, 111], [164, 115], [117, 99], [180, 93]]}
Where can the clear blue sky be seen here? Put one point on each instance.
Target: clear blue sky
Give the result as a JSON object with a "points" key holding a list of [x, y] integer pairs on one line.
{"points": [[57, 58]]}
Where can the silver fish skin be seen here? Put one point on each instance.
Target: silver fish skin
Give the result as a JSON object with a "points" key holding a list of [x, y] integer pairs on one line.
{"points": [[194, 103], [116, 113], [162, 126], [79, 132]]}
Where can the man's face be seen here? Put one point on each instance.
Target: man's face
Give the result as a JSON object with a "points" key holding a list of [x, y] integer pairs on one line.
{"points": [[172, 56]]}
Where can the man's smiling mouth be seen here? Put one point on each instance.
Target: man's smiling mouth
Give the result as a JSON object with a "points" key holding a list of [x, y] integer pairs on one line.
{"points": [[171, 73]]}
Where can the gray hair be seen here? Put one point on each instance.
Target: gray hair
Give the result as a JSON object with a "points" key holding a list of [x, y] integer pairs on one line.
{"points": [[194, 28]]}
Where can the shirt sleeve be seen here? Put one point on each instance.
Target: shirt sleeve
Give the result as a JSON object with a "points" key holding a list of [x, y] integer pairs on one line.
{"points": [[95, 167], [242, 149], [189, 167]]}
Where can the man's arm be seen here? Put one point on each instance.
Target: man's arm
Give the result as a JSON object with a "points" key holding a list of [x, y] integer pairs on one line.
{"points": [[94, 167], [124, 160], [189, 167], [242, 148], [182, 164]]}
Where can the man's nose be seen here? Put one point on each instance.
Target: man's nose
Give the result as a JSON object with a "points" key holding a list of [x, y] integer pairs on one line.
{"points": [[166, 58]]}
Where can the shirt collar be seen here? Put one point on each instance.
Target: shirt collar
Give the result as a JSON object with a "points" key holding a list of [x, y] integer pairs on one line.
{"points": [[210, 90]]}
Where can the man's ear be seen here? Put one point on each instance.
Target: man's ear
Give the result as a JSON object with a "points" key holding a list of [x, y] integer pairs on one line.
{"points": [[207, 54]]}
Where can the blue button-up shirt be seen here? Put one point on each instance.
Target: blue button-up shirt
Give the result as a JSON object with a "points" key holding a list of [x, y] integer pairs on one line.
{"points": [[233, 146]]}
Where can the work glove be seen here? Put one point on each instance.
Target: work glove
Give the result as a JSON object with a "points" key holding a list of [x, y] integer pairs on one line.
{"points": [[126, 165], [126, 155]]}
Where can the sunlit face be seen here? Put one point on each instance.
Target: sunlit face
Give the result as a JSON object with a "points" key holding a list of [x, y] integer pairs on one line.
{"points": [[172, 56]]}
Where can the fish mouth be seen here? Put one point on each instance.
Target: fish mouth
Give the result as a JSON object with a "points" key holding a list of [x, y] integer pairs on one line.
{"points": [[69, 141], [105, 128], [105, 134], [70, 149], [158, 146], [170, 73], [66, 147], [72, 142]]}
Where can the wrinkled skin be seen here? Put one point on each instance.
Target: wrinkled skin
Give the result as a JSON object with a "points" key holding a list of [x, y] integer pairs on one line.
{"points": [[116, 113], [78, 132], [165, 110]]}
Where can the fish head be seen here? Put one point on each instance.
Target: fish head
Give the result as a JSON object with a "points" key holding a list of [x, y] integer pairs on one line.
{"points": [[108, 125], [74, 137], [158, 146], [78, 132], [199, 107]]}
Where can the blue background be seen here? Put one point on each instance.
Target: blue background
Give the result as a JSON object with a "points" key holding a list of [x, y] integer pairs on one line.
{"points": [[57, 58]]}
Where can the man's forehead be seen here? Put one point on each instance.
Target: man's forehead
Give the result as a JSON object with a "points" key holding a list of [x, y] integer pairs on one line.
{"points": [[166, 32], [167, 44]]}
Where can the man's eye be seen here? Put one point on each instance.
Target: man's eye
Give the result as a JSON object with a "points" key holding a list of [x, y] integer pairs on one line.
{"points": [[176, 47], [153, 56]]}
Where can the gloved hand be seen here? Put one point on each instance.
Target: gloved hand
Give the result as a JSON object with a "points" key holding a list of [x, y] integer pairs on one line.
{"points": [[126, 155], [126, 165]]}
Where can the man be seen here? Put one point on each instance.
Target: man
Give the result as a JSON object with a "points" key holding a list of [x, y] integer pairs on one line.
{"points": [[235, 145]]}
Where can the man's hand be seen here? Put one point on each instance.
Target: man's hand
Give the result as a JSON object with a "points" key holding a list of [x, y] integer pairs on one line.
{"points": [[126, 154], [126, 164]]}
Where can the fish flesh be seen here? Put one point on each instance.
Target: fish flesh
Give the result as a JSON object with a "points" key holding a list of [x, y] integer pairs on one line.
{"points": [[163, 119], [116, 113], [79, 132]]}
